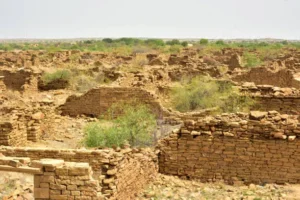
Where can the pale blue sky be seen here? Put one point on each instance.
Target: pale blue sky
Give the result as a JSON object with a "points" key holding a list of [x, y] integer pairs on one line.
{"points": [[150, 18]]}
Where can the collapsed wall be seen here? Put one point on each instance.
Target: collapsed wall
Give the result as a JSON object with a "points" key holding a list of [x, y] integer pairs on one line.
{"points": [[263, 76], [19, 126], [56, 179], [121, 174], [268, 97], [97, 101], [19, 80], [260, 147], [12, 133]]}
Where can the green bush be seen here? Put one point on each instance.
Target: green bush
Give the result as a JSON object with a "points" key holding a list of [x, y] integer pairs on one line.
{"points": [[251, 60], [220, 42], [107, 40], [58, 75], [203, 41], [184, 44], [98, 136], [135, 125], [204, 92], [173, 42], [155, 42], [175, 49]]}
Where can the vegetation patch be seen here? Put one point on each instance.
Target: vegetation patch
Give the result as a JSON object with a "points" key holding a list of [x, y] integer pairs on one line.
{"points": [[58, 75], [134, 126], [251, 60], [204, 92]]}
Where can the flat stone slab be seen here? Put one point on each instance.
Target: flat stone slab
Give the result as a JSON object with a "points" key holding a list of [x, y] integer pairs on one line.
{"points": [[48, 163], [22, 169]]}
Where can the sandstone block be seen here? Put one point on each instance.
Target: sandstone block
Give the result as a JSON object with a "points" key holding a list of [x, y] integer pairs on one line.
{"points": [[41, 193]]}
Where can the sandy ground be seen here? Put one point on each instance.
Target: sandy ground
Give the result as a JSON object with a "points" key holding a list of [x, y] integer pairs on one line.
{"points": [[169, 187], [15, 185]]}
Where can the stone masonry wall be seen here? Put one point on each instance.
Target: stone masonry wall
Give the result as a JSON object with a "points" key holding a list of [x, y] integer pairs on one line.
{"points": [[121, 173], [97, 101], [141, 169], [56, 179], [261, 147], [268, 97], [19, 126], [12, 133]]}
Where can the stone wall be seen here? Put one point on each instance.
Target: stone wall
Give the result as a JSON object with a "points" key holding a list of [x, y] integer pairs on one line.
{"points": [[264, 76], [260, 147], [56, 179], [19, 80], [268, 97], [12, 133], [121, 173], [19, 126], [97, 101]]}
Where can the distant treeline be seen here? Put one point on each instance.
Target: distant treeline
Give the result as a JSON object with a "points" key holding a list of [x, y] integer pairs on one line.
{"points": [[135, 45]]}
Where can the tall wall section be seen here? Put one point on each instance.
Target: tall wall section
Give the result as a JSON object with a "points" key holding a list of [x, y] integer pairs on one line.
{"points": [[97, 101], [261, 147]]}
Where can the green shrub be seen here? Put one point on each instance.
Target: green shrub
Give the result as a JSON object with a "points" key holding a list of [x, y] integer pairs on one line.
{"points": [[135, 125], [173, 42], [155, 42], [251, 60], [99, 136], [184, 44], [58, 75], [220, 42], [203, 92], [203, 41], [107, 40], [175, 49]]}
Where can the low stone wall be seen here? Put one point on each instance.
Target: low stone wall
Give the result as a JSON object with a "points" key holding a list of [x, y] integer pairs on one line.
{"points": [[97, 101], [20, 80], [121, 174], [285, 105], [19, 126], [264, 76], [56, 179], [12, 133], [260, 147], [268, 97]]}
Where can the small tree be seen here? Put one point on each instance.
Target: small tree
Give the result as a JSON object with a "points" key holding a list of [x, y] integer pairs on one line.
{"points": [[173, 42], [203, 41], [137, 124], [184, 44], [155, 42], [220, 42], [107, 40]]}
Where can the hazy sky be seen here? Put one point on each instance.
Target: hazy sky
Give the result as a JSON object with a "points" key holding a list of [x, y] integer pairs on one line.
{"points": [[150, 18]]}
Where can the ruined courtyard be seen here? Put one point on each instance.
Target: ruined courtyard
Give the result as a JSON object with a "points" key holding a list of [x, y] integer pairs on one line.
{"points": [[201, 153]]}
